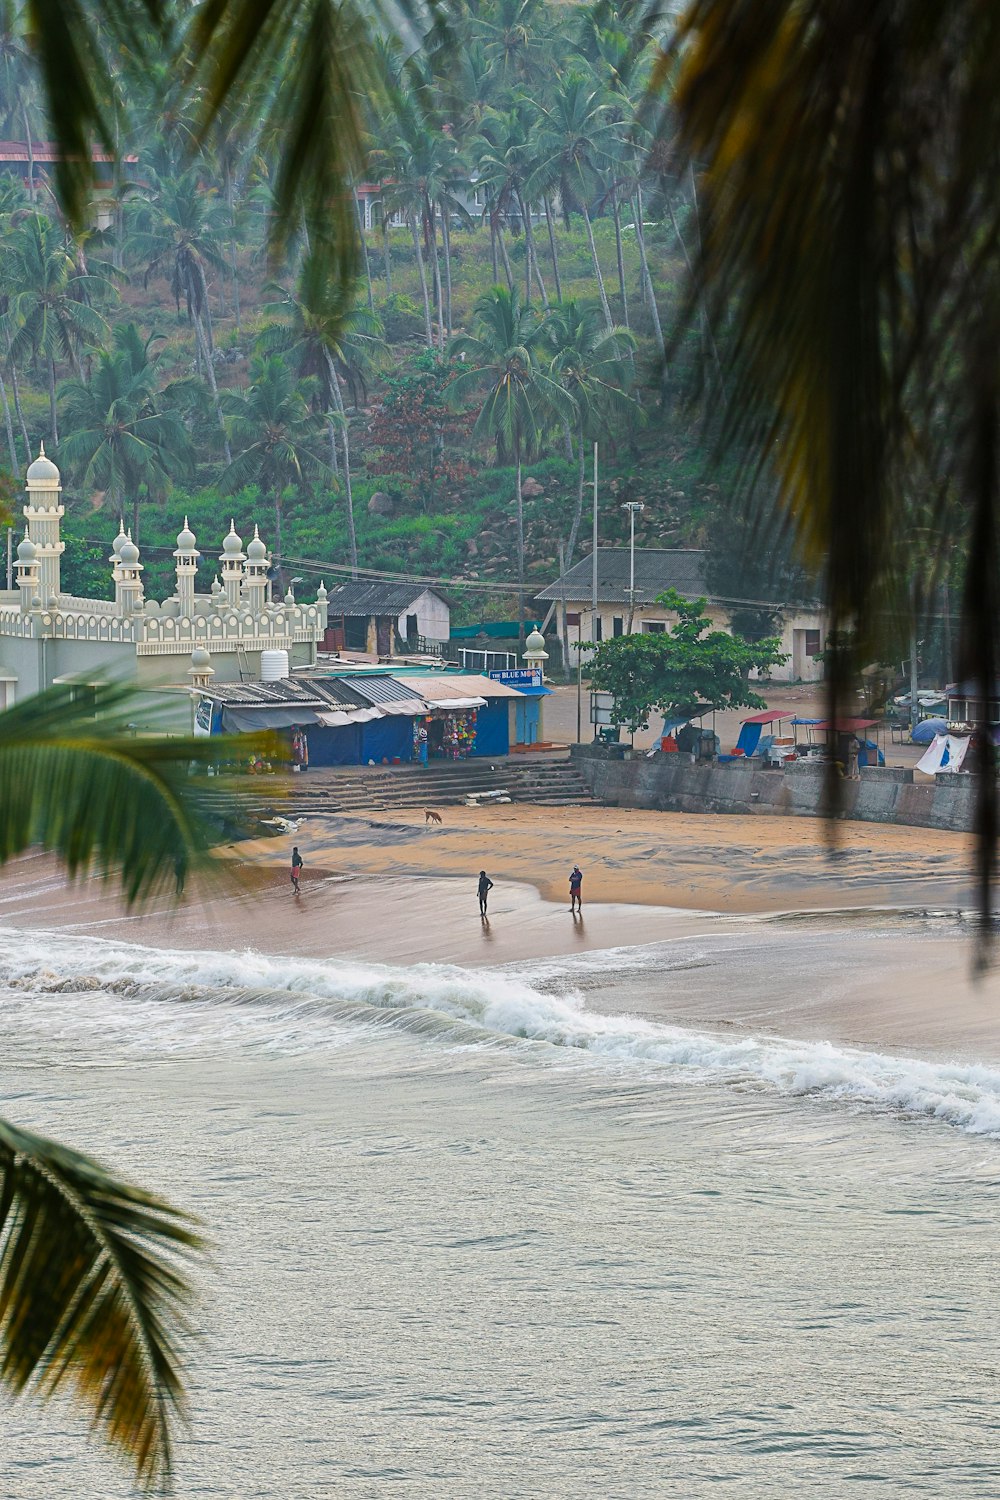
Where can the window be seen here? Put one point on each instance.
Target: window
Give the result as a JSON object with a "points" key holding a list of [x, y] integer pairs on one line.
{"points": [[599, 635], [813, 646], [617, 625], [654, 627]]}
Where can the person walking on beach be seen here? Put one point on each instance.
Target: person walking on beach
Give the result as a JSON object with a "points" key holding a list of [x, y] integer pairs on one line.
{"points": [[296, 869], [485, 886], [575, 888]]}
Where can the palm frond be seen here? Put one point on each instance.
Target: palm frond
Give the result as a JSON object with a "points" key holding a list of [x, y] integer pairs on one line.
{"points": [[92, 1294], [76, 781]]}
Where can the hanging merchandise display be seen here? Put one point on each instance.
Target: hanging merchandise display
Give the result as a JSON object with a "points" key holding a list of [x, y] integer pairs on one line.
{"points": [[459, 734]]}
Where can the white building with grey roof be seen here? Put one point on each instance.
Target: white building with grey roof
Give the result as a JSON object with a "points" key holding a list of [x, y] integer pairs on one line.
{"points": [[620, 609]]}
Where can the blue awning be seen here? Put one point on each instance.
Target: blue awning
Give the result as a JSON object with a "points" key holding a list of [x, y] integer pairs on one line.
{"points": [[532, 692]]}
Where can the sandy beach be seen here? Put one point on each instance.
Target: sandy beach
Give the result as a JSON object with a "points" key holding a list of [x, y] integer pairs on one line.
{"points": [[389, 889]]}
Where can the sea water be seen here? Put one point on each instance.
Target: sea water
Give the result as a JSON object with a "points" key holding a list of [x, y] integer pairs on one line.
{"points": [[491, 1234]]}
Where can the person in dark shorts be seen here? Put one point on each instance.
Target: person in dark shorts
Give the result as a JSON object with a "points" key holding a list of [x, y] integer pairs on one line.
{"points": [[485, 886], [296, 868], [575, 888]]}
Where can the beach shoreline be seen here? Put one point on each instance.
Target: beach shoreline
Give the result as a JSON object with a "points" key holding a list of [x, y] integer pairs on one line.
{"points": [[383, 889]]}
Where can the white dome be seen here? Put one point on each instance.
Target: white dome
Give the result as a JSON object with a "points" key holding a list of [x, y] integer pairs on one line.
{"points": [[128, 554], [186, 538], [200, 657], [120, 539], [26, 550], [43, 471], [256, 551], [232, 545], [535, 641]]}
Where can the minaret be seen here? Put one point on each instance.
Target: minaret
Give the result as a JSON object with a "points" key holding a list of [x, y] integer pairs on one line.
{"points": [[187, 557], [129, 590], [27, 572], [232, 566], [255, 582], [43, 514], [322, 606]]}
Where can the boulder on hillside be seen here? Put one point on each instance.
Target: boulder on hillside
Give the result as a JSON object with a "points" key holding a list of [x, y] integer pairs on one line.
{"points": [[471, 547], [531, 489], [381, 504]]}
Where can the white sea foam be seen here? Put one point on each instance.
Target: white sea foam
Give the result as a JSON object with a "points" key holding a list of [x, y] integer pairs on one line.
{"points": [[156, 999]]}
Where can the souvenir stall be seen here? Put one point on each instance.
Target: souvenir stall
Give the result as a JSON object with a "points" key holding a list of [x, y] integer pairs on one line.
{"points": [[451, 733]]}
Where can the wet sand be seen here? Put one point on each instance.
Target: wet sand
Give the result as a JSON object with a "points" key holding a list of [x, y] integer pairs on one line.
{"points": [[388, 889]]}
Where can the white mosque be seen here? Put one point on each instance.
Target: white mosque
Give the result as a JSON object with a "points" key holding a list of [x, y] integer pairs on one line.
{"points": [[47, 636]]}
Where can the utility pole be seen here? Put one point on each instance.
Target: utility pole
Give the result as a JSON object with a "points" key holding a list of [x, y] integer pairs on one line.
{"points": [[593, 583], [631, 506], [10, 558]]}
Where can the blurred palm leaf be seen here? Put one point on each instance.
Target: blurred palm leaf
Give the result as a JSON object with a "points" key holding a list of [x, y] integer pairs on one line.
{"points": [[845, 153], [92, 1293], [92, 1283]]}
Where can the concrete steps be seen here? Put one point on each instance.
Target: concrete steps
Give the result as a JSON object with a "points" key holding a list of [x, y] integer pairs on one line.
{"points": [[545, 782]]}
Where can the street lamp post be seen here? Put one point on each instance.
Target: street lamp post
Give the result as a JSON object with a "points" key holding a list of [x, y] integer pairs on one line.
{"points": [[631, 506]]}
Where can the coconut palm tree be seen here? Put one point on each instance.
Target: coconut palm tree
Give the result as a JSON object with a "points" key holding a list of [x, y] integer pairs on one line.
{"points": [[50, 301], [591, 364], [575, 149], [520, 400], [120, 439], [320, 343], [180, 232], [274, 437], [94, 1271]]}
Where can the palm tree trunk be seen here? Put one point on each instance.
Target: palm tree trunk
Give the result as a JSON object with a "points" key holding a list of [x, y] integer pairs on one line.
{"points": [[640, 239], [597, 264], [331, 430], [436, 267], [15, 388], [364, 251], [31, 150], [233, 267], [531, 253], [707, 339], [338, 399], [207, 329], [202, 342], [617, 215], [580, 482], [53, 428], [506, 259], [493, 251], [552, 247], [412, 220], [446, 242], [8, 424], [277, 535], [386, 253], [520, 543]]}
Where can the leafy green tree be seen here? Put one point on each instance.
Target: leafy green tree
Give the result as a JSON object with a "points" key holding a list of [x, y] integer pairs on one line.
{"points": [[672, 671], [417, 435], [50, 301], [120, 440], [520, 399], [273, 436]]}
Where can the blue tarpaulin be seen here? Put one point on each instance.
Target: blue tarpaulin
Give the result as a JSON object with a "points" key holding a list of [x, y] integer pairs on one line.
{"points": [[387, 739]]}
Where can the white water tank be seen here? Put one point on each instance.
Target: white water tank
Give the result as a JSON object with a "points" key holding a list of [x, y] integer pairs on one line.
{"points": [[273, 666]]}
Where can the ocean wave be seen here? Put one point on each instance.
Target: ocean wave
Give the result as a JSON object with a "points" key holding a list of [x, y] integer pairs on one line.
{"points": [[287, 1005]]}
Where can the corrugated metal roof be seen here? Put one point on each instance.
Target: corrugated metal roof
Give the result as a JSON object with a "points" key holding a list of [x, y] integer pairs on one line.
{"points": [[656, 570], [289, 691], [364, 597], [446, 685]]}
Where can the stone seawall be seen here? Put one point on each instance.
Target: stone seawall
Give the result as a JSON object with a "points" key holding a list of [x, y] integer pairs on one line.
{"points": [[672, 784]]}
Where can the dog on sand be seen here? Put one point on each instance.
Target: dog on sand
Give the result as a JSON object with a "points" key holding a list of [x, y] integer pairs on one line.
{"points": [[430, 816]]}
